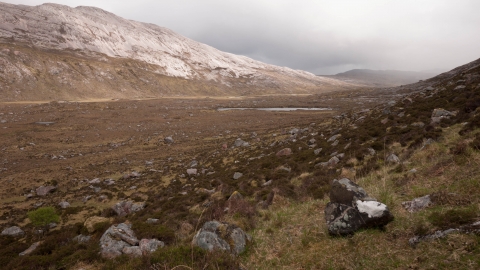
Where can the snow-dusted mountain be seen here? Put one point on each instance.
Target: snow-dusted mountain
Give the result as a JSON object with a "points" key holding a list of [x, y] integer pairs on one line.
{"points": [[99, 36]]}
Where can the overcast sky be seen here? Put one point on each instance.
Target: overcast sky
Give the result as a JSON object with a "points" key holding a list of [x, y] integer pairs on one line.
{"points": [[320, 36]]}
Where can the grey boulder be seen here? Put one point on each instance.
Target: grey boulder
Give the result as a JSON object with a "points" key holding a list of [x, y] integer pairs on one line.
{"points": [[13, 231], [115, 239], [222, 236]]}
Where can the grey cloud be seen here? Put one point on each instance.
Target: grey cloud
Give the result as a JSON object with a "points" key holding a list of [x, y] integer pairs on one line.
{"points": [[323, 36]]}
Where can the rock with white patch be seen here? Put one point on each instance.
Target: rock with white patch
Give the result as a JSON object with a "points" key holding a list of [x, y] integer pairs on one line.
{"points": [[351, 208]]}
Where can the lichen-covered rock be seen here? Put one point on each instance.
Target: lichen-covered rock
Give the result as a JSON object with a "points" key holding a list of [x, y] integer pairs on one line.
{"points": [[124, 208], [350, 209], [13, 231], [216, 235], [115, 239]]}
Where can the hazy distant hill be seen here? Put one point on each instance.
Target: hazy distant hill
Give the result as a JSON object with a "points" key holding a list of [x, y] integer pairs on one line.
{"points": [[381, 78]]}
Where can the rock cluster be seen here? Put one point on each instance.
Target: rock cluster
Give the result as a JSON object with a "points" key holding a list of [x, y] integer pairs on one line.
{"points": [[350, 209], [216, 235], [124, 208], [120, 239]]}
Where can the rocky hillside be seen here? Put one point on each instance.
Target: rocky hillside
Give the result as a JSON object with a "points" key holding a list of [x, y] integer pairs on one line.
{"points": [[381, 78], [408, 168], [53, 52]]}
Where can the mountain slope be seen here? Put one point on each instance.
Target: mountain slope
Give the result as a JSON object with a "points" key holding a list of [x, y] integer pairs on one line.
{"points": [[381, 78], [98, 36]]}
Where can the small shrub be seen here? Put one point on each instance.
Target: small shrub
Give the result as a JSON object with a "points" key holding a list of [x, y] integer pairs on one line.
{"points": [[453, 217], [43, 216]]}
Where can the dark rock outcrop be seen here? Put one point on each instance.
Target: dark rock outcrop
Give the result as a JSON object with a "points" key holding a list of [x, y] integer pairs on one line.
{"points": [[350, 209]]}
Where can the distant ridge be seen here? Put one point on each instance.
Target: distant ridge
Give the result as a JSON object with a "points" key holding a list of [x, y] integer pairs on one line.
{"points": [[381, 78]]}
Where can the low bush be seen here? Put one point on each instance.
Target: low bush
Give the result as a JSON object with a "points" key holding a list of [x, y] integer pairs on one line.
{"points": [[43, 216], [454, 217]]}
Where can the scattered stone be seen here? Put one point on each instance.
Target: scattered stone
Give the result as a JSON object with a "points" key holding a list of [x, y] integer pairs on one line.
{"points": [[43, 191], [418, 124], [235, 196], [150, 245], [340, 156], [284, 152], [239, 143], [460, 87], [193, 164], [428, 142], [334, 137], [168, 140], [92, 221], [192, 171], [294, 131], [237, 175], [333, 161], [350, 209], [412, 171], [64, 204], [82, 238], [86, 198], [335, 143], [268, 183], [13, 231], [152, 220], [312, 142], [317, 151], [384, 121], [94, 181], [31, 249], [124, 208], [417, 204], [371, 151], [283, 168], [109, 182], [438, 234], [205, 191], [392, 158], [439, 114], [470, 228], [216, 235]]}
